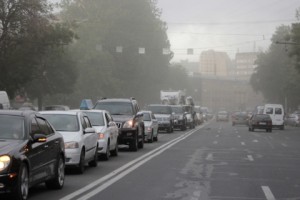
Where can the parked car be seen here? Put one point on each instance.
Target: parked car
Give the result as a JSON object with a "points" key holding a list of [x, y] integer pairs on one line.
{"points": [[56, 107], [31, 152], [260, 121], [129, 122], [292, 120], [222, 116], [180, 119], [240, 118], [164, 116], [107, 131], [81, 140], [151, 126]]}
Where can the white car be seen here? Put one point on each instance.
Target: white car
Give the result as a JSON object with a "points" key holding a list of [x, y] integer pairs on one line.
{"points": [[151, 126], [107, 132], [81, 140]]}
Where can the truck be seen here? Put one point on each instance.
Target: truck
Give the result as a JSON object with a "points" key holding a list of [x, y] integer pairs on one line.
{"points": [[172, 97]]}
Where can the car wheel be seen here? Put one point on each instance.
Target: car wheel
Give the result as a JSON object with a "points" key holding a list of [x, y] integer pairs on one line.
{"points": [[151, 139], [115, 152], [169, 129], [22, 188], [58, 181], [156, 138], [94, 162], [282, 127], [134, 144], [270, 130], [141, 143], [106, 155], [80, 168]]}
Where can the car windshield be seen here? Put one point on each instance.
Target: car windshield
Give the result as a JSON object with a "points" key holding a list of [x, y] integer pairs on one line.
{"points": [[96, 118], [146, 117], [115, 108], [177, 109], [63, 122], [11, 127], [160, 109]]}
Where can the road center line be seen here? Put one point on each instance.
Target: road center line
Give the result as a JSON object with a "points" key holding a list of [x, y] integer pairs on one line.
{"points": [[217, 135], [238, 136], [255, 141], [124, 167], [215, 142], [243, 143], [209, 156], [268, 193], [283, 144], [250, 158]]}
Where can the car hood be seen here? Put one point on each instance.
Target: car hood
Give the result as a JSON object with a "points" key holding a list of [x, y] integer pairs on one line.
{"points": [[71, 136], [7, 146], [162, 115], [99, 129], [122, 118], [147, 123]]}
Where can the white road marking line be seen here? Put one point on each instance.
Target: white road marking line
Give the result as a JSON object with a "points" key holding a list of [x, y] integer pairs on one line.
{"points": [[250, 158], [215, 142], [268, 193], [217, 135], [255, 141], [243, 143], [283, 144], [238, 136], [219, 131], [209, 156], [236, 132]]}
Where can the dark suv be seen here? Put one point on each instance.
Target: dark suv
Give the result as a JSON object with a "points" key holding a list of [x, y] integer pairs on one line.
{"points": [[129, 122]]}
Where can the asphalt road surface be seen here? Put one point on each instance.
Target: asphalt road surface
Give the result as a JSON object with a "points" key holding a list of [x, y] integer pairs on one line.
{"points": [[213, 161]]}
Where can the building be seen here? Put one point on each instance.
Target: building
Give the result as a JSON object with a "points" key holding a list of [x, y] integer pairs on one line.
{"points": [[213, 63], [245, 65]]}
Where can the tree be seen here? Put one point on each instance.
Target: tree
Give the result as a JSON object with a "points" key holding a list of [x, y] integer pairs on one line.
{"points": [[275, 75], [295, 38], [104, 25]]}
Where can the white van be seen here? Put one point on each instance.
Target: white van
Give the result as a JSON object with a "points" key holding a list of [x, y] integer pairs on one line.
{"points": [[4, 101], [276, 113]]}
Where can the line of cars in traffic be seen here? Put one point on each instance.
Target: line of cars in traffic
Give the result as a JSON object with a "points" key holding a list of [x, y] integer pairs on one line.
{"points": [[37, 147]]}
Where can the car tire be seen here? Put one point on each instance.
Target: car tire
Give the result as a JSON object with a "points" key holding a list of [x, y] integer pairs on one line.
{"points": [[156, 138], [282, 127], [94, 162], [59, 178], [81, 165], [22, 189], [169, 129], [151, 139], [115, 152], [270, 130], [134, 144], [141, 143], [106, 155]]}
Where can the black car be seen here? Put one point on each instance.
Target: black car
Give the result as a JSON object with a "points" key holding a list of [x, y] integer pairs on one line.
{"points": [[240, 118], [164, 115], [31, 152], [129, 121], [260, 121]]}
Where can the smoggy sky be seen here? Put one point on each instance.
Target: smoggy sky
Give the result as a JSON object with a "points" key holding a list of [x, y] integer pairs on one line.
{"points": [[224, 25]]}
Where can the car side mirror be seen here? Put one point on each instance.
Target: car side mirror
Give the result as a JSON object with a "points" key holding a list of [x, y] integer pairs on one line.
{"points": [[89, 130], [39, 138], [111, 124]]}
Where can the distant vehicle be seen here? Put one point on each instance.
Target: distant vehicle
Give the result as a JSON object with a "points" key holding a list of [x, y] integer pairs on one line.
{"points": [[276, 113], [222, 116], [190, 116], [260, 121], [292, 120], [129, 122], [56, 107], [86, 104], [81, 140], [172, 97], [4, 101], [199, 115], [164, 116], [31, 152], [107, 131], [151, 126], [240, 118], [205, 113], [28, 106], [180, 119]]}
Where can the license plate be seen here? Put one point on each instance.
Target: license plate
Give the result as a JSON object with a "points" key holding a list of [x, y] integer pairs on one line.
{"points": [[262, 123]]}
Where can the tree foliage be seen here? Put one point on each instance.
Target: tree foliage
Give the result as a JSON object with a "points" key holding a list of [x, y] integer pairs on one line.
{"points": [[31, 48], [104, 25], [276, 76]]}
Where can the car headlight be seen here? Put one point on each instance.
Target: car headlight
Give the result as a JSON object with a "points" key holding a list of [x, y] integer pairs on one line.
{"points": [[4, 162], [128, 124], [148, 129], [71, 145]]}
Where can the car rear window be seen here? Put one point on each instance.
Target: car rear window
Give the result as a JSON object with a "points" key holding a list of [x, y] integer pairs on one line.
{"points": [[11, 127], [96, 118], [262, 117]]}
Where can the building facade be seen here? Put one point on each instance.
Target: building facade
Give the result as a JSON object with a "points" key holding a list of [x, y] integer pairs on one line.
{"points": [[245, 65]]}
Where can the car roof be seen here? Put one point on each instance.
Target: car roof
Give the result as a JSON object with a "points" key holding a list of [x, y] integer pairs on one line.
{"points": [[116, 100], [95, 111], [22, 113], [145, 111], [159, 105], [61, 112]]}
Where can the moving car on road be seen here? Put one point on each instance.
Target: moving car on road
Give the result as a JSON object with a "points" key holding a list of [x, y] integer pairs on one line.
{"points": [[164, 116], [222, 116], [292, 120], [151, 126], [81, 140], [260, 121], [240, 118], [107, 131], [31, 152], [180, 119]]}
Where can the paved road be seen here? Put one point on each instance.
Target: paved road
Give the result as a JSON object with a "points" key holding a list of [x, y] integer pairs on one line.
{"points": [[213, 161]]}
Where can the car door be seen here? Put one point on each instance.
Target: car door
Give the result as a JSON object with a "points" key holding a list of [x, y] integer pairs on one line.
{"points": [[112, 130], [90, 139], [38, 153], [154, 123]]}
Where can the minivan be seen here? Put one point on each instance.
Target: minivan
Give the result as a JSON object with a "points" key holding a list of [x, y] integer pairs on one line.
{"points": [[276, 113], [4, 101]]}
